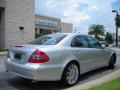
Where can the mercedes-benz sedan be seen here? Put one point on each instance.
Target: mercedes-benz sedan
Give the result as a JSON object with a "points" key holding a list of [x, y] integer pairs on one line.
{"points": [[56, 57]]}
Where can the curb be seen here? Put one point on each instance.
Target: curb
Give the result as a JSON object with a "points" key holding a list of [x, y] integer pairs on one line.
{"points": [[96, 81], [3, 53]]}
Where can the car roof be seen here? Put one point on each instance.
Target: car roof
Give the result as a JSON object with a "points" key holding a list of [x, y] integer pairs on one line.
{"points": [[69, 34]]}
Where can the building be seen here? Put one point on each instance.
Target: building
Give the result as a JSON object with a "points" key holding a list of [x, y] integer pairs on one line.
{"points": [[66, 27], [114, 36], [19, 24], [16, 22], [47, 25]]}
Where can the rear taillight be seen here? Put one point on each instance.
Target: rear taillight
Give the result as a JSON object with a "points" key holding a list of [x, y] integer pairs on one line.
{"points": [[38, 57]]}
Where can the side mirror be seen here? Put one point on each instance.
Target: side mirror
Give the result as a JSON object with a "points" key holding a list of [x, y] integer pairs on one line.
{"points": [[103, 46]]}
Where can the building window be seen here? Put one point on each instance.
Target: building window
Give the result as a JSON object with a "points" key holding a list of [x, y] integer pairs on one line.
{"points": [[47, 31], [36, 30], [41, 31], [55, 31]]}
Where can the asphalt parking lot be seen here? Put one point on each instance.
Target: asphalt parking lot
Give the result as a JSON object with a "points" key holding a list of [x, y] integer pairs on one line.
{"points": [[9, 81]]}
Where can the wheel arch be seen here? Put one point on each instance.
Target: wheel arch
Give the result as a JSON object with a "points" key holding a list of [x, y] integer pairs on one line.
{"points": [[114, 55], [71, 61]]}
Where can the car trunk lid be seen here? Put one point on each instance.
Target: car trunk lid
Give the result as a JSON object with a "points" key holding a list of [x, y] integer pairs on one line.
{"points": [[21, 54]]}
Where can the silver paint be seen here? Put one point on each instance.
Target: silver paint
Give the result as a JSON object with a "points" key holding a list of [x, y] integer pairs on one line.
{"points": [[59, 56]]}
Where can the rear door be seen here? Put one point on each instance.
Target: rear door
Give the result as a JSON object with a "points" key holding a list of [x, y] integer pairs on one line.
{"points": [[82, 52]]}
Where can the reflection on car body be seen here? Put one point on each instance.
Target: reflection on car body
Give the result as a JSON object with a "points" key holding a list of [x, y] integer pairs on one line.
{"points": [[104, 43]]}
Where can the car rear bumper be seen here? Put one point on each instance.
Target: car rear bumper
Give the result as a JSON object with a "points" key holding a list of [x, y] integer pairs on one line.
{"points": [[37, 72]]}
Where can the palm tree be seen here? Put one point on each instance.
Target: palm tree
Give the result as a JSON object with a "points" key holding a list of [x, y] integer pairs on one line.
{"points": [[97, 30]]}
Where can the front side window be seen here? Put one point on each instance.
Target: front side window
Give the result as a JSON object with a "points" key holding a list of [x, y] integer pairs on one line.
{"points": [[48, 39], [93, 43], [79, 41]]}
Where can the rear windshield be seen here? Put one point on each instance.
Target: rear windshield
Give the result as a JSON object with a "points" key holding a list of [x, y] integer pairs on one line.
{"points": [[48, 39]]}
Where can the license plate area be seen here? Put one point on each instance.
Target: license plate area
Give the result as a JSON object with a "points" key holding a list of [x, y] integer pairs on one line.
{"points": [[18, 56]]}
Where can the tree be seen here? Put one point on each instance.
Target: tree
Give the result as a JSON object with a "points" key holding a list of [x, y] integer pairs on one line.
{"points": [[119, 38], [117, 20], [109, 38], [117, 24], [97, 30]]}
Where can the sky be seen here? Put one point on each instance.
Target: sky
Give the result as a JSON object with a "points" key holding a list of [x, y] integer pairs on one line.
{"points": [[81, 13]]}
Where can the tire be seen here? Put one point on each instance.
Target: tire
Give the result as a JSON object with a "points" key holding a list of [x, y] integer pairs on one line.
{"points": [[71, 74], [112, 62]]}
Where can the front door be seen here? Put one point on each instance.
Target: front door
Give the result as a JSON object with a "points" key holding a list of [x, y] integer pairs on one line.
{"points": [[97, 52]]}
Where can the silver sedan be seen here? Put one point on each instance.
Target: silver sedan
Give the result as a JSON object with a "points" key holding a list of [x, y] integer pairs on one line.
{"points": [[56, 57]]}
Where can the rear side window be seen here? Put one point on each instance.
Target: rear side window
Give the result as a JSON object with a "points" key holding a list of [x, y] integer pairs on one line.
{"points": [[79, 41], [48, 39]]}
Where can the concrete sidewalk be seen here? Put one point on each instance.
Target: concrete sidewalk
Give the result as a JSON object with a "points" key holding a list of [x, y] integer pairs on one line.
{"points": [[95, 82], [117, 50], [3, 53]]}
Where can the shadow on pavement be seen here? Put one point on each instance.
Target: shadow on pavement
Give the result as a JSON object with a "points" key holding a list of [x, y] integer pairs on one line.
{"points": [[23, 84]]}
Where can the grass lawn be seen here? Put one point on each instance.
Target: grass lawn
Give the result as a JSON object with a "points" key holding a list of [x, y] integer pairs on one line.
{"points": [[3, 50], [110, 85], [117, 46]]}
